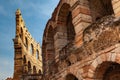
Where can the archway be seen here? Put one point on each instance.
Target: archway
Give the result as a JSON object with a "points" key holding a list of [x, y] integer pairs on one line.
{"points": [[108, 71], [71, 77], [39, 72], [37, 54], [24, 59], [100, 8], [70, 28], [34, 70], [65, 24], [24, 64], [26, 42], [21, 33], [29, 68], [31, 49]]}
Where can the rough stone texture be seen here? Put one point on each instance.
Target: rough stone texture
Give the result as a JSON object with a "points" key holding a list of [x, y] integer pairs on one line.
{"points": [[85, 40], [27, 53], [116, 5]]}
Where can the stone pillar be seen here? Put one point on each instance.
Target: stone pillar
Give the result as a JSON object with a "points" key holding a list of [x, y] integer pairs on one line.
{"points": [[18, 21], [116, 7], [18, 62], [20, 25], [81, 19]]}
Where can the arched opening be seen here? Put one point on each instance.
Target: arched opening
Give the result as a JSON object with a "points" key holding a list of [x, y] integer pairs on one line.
{"points": [[39, 72], [37, 54], [34, 70], [26, 42], [31, 49], [24, 59], [65, 20], [21, 33], [100, 8], [24, 64], [108, 71], [71, 77], [29, 68], [70, 28]]}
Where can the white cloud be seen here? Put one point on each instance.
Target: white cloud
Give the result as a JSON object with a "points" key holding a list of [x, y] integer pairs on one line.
{"points": [[6, 69]]}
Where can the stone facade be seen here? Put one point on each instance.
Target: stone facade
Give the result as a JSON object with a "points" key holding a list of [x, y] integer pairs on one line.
{"points": [[81, 41], [27, 53]]}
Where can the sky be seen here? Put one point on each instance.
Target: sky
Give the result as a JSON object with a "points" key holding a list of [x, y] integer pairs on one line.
{"points": [[35, 14]]}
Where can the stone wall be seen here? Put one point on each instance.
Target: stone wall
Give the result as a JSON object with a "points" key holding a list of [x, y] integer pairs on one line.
{"points": [[94, 47], [27, 52]]}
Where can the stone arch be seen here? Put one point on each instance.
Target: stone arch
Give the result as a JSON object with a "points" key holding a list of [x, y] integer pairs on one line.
{"points": [[108, 71], [34, 70], [21, 33], [63, 12], [71, 77], [26, 42], [100, 8], [69, 2], [75, 72], [39, 72], [29, 67], [46, 35], [24, 64], [64, 26], [101, 65], [31, 49], [24, 59], [37, 54], [61, 2]]}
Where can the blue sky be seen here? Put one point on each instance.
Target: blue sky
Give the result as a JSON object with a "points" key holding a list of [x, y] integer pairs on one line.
{"points": [[35, 14]]}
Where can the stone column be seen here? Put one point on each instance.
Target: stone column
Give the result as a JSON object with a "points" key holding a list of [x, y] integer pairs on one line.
{"points": [[81, 19], [18, 61]]}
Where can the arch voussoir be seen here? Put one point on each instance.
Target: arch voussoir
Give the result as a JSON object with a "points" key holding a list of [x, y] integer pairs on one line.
{"points": [[103, 58]]}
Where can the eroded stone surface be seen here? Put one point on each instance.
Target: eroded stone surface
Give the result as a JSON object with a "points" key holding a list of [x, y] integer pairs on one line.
{"points": [[27, 56], [95, 31], [81, 41]]}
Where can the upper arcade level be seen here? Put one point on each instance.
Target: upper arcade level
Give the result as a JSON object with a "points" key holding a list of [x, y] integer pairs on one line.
{"points": [[28, 55]]}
